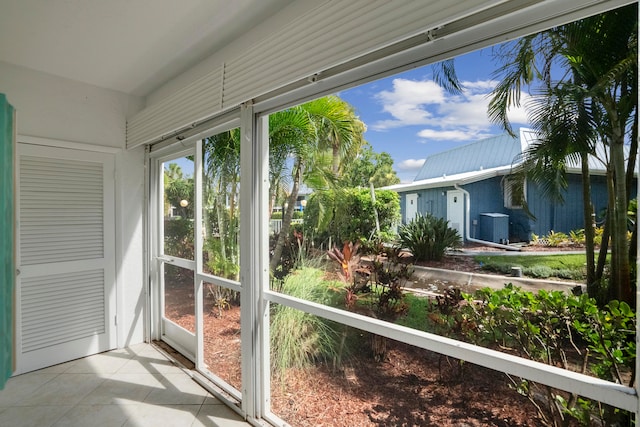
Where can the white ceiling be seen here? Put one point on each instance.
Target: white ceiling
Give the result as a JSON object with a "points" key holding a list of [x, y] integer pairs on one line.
{"points": [[131, 46]]}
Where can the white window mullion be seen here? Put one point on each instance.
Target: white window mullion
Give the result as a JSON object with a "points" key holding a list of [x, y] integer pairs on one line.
{"points": [[249, 260], [198, 242], [263, 275]]}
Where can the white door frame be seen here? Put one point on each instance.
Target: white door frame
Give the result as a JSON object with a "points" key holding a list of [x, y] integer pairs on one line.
{"points": [[178, 337]]}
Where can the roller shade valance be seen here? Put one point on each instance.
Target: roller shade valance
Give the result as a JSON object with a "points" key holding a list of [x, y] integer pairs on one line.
{"points": [[332, 33], [338, 37]]}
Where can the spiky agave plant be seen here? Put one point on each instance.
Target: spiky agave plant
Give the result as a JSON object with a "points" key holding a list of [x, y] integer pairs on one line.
{"points": [[428, 237]]}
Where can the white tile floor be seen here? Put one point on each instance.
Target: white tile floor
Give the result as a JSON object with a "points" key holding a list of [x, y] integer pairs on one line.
{"points": [[136, 386]]}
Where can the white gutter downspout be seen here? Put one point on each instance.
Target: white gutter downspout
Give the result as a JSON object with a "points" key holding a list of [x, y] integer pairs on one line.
{"points": [[467, 216]]}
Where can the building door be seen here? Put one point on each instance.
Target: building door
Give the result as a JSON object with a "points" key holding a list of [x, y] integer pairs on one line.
{"points": [[65, 287], [411, 208], [455, 211]]}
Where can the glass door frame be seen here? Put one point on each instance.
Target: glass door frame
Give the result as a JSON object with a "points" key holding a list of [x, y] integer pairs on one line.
{"points": [[163, 328], [201, 276]]}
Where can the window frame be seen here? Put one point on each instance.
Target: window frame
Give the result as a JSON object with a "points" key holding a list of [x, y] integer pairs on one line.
{"points": [[254, 283], [508, 186]]}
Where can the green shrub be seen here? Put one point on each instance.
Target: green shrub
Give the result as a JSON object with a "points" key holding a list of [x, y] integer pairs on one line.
{"points": [[550, 327], [223, 263], [427, 237], [178, 237], [348, 214], [555, 239], [577, 236], [539, 271]]}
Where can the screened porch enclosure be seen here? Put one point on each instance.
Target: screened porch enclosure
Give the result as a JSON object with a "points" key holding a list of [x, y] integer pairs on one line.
{"points": [[142, 173]]}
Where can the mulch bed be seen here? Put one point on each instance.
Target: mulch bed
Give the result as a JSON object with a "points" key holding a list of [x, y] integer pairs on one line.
{"points": [[410, 387]]}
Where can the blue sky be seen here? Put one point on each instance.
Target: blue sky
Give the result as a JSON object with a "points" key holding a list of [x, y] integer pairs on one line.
{"points": [[410, 117]]}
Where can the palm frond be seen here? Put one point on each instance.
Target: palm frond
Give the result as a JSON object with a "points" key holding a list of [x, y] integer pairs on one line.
{"points": [[444, 74]]}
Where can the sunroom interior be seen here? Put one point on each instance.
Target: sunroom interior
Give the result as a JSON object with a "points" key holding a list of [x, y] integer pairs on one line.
{"points": [[104, 96]]}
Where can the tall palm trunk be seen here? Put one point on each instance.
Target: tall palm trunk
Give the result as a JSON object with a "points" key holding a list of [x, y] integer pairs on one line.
{"points": [[335, 158], [606, 234], [631, 168], [222, 221], [287, 217], [620, 285], [589, 231]]}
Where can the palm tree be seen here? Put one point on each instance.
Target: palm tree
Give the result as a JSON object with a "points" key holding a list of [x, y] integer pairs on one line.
{"points": [[339, 129], [314, 135], [289, 131], [222, 177], [594, 100], [173, 171]]}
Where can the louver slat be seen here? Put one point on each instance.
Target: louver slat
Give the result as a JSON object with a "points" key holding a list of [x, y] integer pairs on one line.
{"points": [[61, 308], [61, 210], [329, 35], [199, 100]]}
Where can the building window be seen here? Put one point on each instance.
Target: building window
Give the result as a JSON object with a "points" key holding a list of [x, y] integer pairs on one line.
{"points": [[515, 194]]}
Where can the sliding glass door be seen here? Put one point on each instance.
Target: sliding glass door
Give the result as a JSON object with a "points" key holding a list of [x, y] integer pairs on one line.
{"points": [[196, 252], [175, 251]]}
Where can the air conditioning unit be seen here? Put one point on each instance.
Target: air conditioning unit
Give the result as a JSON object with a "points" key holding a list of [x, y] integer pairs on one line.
{"points": [[494, 227]]}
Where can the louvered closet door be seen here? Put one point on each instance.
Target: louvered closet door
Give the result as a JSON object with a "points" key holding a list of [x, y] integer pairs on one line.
{"points": [[66, 271]]}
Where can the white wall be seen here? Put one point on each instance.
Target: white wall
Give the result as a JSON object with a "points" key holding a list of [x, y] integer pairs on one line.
{"points": [[129, 247], [52, 107], [62, 111], [253, 35]]}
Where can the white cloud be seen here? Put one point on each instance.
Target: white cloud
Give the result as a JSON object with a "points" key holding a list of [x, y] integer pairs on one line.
{"points": [[449, 135], [410, 164], [518, 115], [454, 117], [470, 111], [479, 86], [406, 102]]}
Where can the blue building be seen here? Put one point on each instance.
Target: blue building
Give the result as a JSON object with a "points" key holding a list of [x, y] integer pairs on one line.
{"points": [[472, 186]]}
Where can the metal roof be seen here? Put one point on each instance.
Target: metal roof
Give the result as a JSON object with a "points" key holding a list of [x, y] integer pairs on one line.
{"points": [[496, 151], [451, 180], [486, 158]]}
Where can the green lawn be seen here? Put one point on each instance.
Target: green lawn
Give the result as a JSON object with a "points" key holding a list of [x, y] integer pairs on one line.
{"points": [[570, 266]]}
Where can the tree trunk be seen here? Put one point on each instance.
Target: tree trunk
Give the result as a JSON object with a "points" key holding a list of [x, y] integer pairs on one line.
{"points": [[589, 224], [633, 153], [336, 158], [604, 248], [286, 219], [631, 168], [379, 347], [222, 229], [620, 282]]}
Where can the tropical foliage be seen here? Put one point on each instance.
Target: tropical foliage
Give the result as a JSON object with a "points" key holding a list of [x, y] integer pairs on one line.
{"points": [[584, 76], [428, 237], [221, 192], [551, 327], [319, 136], [370, 168], [350, 215], [178, 227]]}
